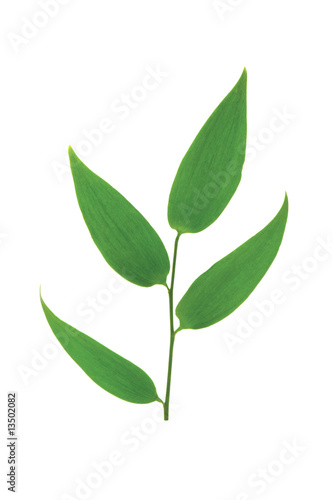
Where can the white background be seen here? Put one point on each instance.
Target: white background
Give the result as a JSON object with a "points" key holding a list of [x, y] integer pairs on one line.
{"points": [[233, 409]]}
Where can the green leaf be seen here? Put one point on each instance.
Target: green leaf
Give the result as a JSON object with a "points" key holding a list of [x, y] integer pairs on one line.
{"points": [[107, 369], [229, 282], [124, 237], [210, 172]]}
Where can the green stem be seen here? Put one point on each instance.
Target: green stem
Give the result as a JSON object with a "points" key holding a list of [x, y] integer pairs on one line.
{"points": [[172, 332]]}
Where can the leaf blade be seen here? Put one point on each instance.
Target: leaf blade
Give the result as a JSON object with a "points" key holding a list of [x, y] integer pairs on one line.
{"points": [[111, 372], [124, 237], [210, 172], [228, 283]]}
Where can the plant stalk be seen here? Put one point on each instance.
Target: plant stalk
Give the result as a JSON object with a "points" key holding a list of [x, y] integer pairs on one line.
{"points": [[172, 332]]}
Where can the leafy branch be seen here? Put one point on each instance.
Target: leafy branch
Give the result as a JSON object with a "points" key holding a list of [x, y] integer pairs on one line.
{"points": [[206, 180]]}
